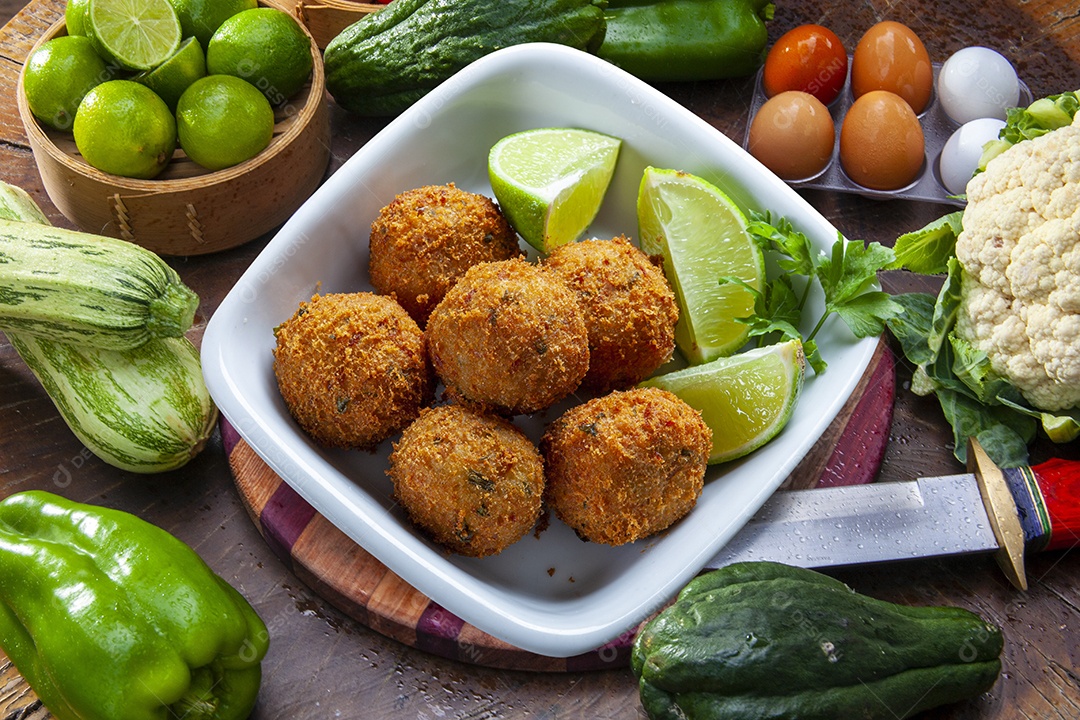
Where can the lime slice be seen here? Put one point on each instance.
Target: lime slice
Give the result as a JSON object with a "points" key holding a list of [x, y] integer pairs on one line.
{"points": [[170, 79], [135, 34], [702, 236], [550, 182], [746, 399]]}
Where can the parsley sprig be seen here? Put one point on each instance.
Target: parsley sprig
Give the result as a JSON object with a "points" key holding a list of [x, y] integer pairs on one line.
{"points": [[847, 276]]}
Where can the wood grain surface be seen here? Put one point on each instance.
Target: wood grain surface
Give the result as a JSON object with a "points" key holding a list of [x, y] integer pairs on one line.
{"points": [[322, 663]]}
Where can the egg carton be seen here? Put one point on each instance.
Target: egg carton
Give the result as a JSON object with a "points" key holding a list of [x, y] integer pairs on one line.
{"points": [[937, 128]]}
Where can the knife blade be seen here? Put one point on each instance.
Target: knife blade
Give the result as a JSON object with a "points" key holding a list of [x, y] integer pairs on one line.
{"points": [[1009, 512]]}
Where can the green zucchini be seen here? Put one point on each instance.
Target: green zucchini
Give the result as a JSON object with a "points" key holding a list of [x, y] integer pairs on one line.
{"points": [[145, 409], [761, 640], [389, 59], [87, 289], [16, 204]]}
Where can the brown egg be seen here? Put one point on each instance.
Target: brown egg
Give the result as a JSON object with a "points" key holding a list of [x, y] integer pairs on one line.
{"points": [[792, 134], [881, 142], [892, 57]]}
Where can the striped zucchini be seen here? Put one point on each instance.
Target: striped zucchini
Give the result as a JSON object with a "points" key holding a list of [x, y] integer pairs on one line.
{"points": [[16, 204], [146, 409], [87, 289]]}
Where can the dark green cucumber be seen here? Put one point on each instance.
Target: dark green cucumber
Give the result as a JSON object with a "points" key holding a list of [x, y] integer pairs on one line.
{"points": [[761, 640], [87, 289], [391, 58]]}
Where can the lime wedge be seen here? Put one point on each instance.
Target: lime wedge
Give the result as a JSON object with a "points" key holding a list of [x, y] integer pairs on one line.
{"points": [[170, 79], [746, 399], [702, 236], [550, 182], [134, 34]]}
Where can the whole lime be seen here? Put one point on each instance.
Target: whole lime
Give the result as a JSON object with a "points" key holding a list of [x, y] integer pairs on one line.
{"points": [[57, 77], [264, 46], [202, 18], [222, 121], [124, 128], [74, 13]]}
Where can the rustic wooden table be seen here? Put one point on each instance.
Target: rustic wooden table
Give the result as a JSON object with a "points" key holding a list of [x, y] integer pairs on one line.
{"points": [[323, 664]]}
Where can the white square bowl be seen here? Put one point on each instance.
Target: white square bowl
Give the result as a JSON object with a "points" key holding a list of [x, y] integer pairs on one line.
{"points": [[553, 594]]}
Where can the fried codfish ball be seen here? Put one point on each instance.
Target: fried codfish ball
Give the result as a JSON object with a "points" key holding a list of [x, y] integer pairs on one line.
{"points": [[509, 337], [472, 480], [630, 310], [425, 240], [352, 368], [626, 465]]}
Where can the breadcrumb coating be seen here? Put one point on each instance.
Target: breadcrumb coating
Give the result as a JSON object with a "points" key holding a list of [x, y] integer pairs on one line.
{"points": [[472, 480], [626, 465], [352, 368], [424, 240], [509, 337], [630, 309]]}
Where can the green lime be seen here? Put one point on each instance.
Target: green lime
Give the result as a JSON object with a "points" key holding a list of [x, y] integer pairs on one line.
{"points": [[223, 120], [135, 34], [267, 48], [170, 79], [746, 399], [124, 128], [550, 182], [58, 75], [202, 18], [702, 236], [74, 15]]}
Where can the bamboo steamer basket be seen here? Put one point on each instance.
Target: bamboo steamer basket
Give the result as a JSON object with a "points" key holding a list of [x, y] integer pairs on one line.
{"points": [[189, 210], [326, 18]]}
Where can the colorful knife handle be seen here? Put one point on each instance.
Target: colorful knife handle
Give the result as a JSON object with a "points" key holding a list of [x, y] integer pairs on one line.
{"points": [[1048, 502]]}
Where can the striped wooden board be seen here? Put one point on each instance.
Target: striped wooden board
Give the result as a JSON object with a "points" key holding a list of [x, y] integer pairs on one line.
{"points": [[349, 578]]}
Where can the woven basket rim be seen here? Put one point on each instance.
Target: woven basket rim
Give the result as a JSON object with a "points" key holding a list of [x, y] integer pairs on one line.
{"points": [[316, 96]]}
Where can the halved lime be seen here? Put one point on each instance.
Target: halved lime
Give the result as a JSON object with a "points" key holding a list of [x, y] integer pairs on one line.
{"points": [[746, 399], [170, 79], [550, 182], [134, 34], [702, 236]]}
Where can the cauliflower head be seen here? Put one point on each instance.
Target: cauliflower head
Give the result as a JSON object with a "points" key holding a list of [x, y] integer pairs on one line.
{"points": [[1020, 251]]}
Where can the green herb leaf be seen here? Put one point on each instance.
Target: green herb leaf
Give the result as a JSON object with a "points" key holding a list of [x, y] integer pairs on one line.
{"points": [[851, 269], [796, 254], [847, 276], [866, 313]]}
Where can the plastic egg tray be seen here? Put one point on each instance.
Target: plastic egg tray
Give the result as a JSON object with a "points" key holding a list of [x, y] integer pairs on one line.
{"points": [[937, 128]]}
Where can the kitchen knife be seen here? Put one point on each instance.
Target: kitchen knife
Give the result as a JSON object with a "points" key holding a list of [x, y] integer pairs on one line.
{"points": [[1008, 512]]}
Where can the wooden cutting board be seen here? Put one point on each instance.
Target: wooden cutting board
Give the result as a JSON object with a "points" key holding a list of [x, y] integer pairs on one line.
{"points": [[349, 578]]}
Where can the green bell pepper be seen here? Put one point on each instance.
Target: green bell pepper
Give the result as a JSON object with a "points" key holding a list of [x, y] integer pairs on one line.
{"points": [[660, 40], [111, 618]]}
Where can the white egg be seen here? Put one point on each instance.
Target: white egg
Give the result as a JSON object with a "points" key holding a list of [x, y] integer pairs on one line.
{"points": [[977, 82], [960, 156]]}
